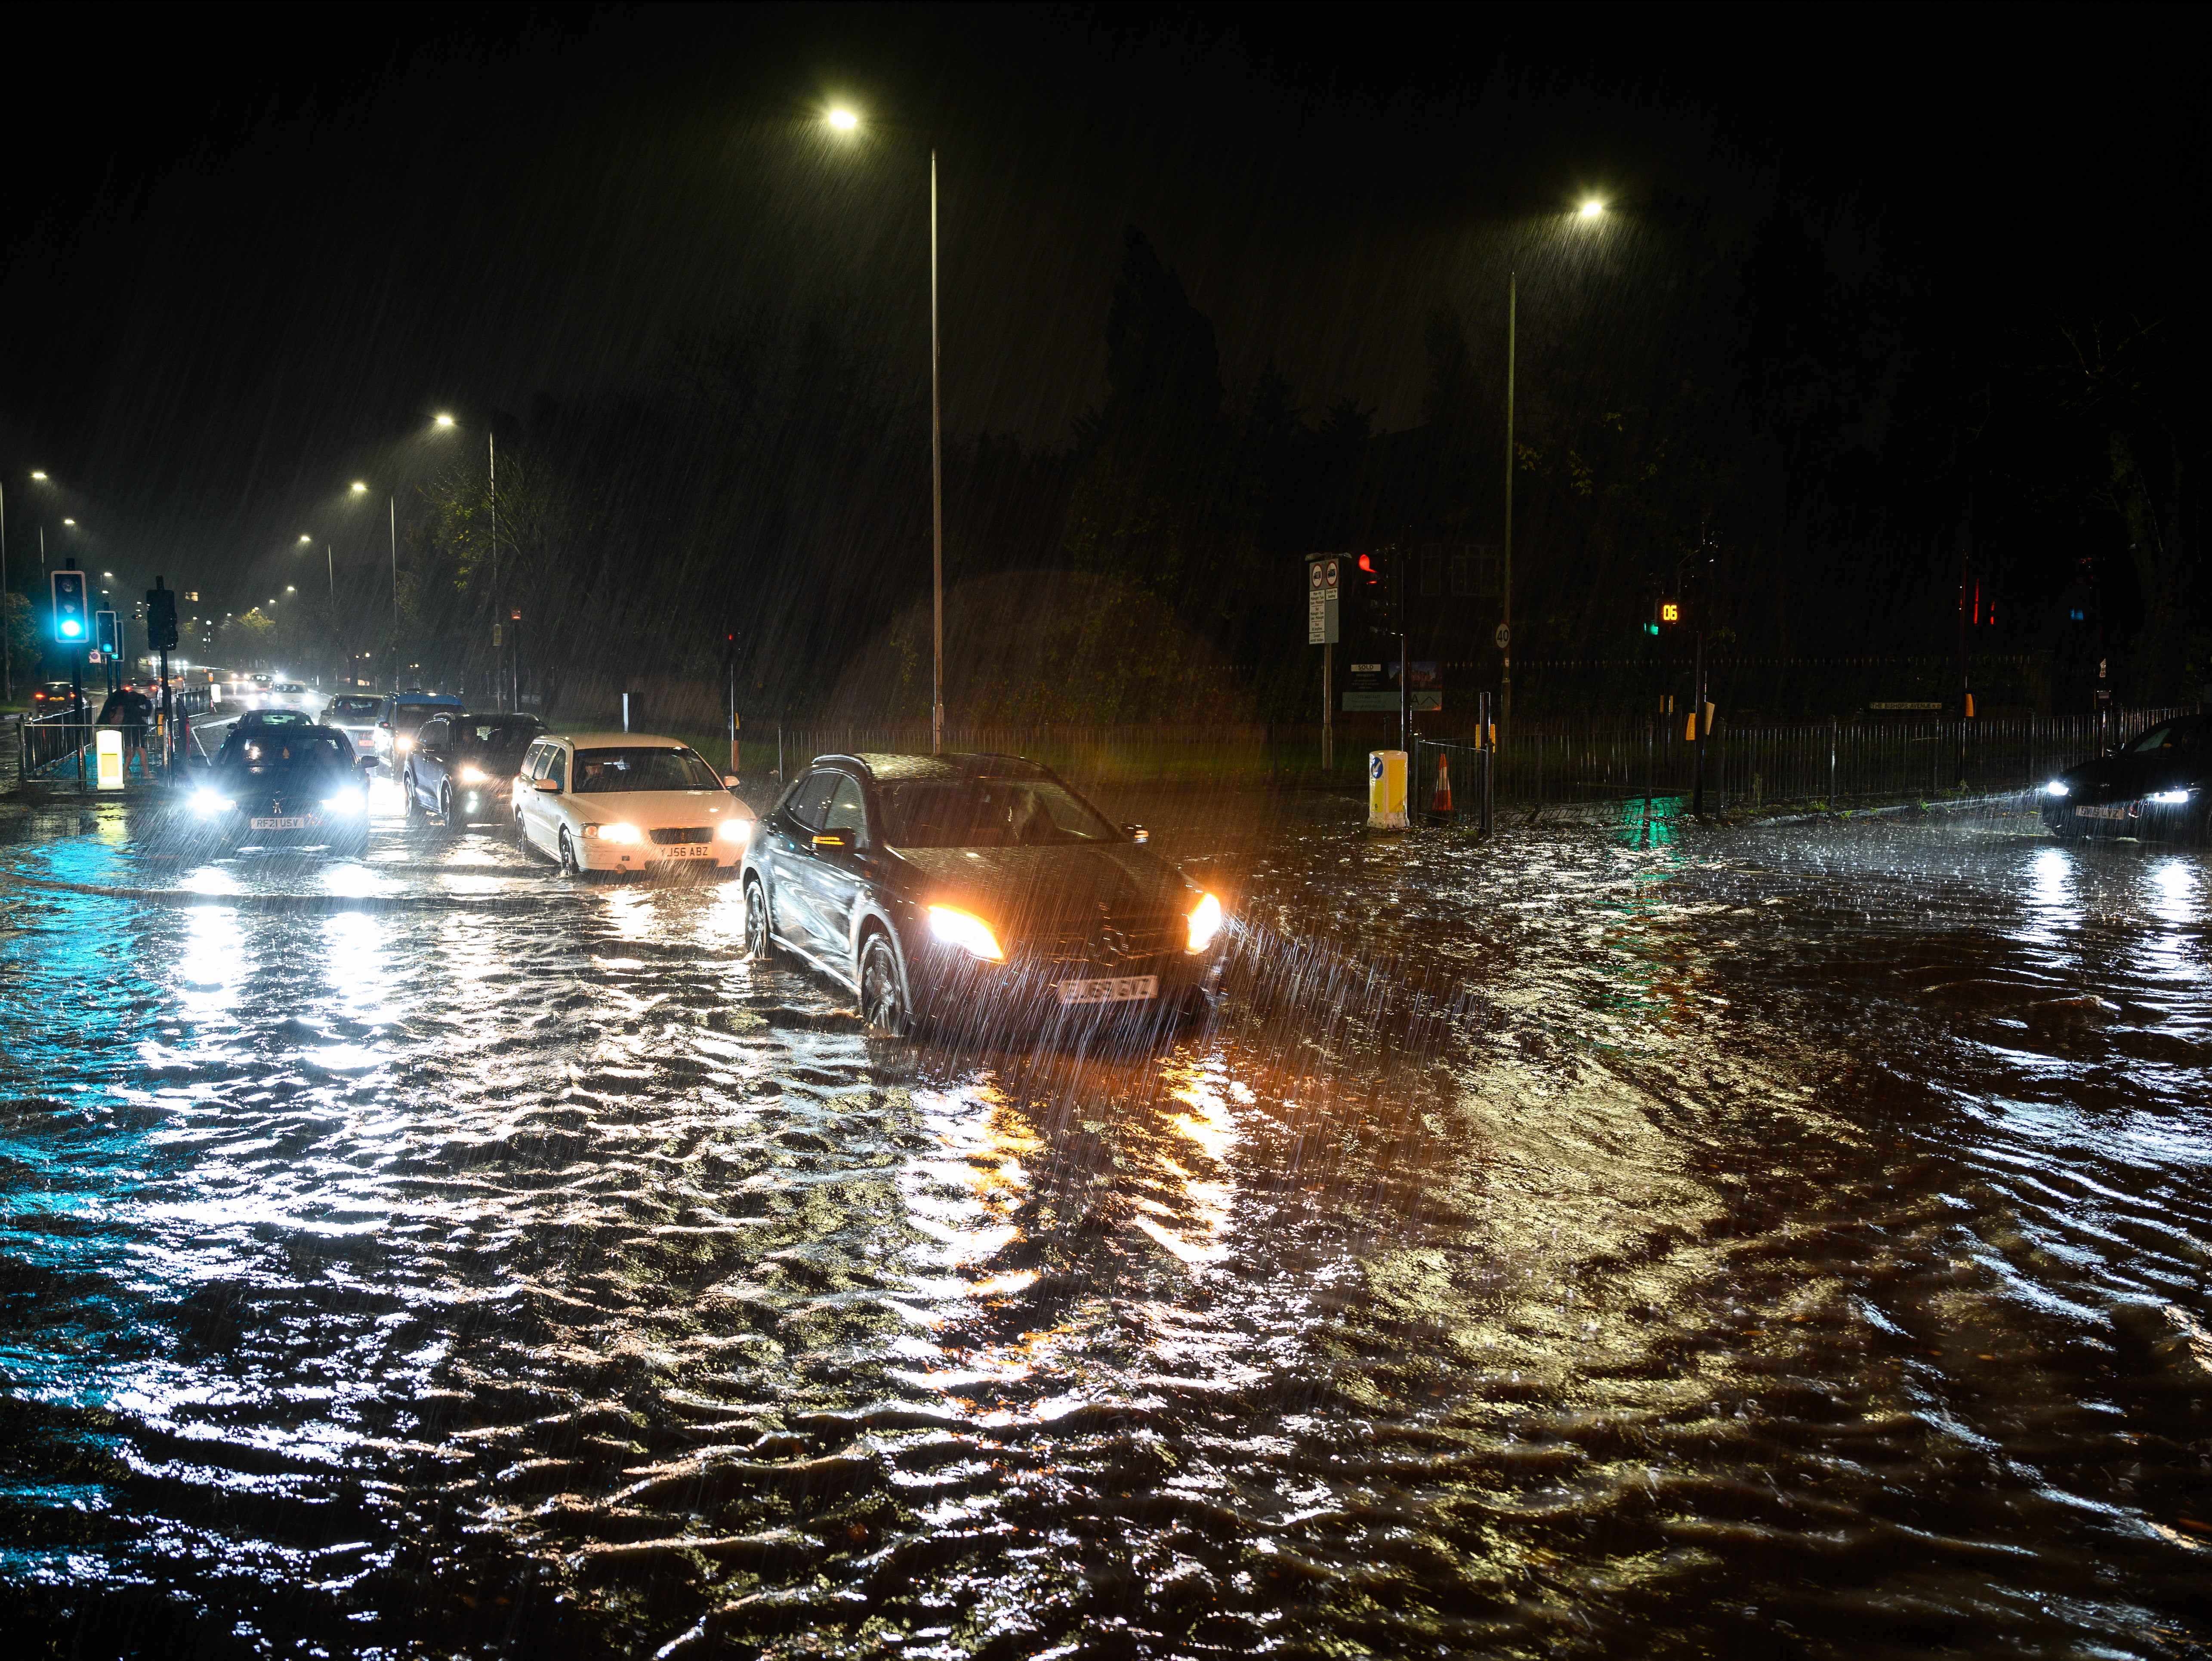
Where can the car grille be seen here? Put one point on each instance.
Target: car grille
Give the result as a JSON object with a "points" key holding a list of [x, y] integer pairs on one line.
{"points": [[685, 833], [1103, 947]]}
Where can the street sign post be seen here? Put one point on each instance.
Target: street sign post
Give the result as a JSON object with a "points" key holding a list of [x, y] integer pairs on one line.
{"points": [[1324, 598]]}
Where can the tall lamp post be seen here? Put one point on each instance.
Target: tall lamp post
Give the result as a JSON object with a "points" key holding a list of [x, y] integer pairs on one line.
{"points": [[845, 121], [491, 449], [1591, 210]]}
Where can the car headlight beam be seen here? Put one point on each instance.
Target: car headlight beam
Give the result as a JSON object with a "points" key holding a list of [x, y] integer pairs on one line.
{"points": [[627, 835], [473, 776], [2171, 798], [2057, 787], [206, 803], [347, 801], [1205, 923], [965, 930], [734, 829]]}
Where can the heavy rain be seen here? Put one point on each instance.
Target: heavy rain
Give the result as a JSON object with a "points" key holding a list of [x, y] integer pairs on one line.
{"points": [[1078, 833]]}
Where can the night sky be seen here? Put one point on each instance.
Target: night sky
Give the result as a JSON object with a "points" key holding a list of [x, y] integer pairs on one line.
{"points": [[249, 253]]}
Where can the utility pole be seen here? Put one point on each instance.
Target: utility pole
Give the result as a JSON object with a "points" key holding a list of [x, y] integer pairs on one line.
{"points": [[392, 508], [1506, 576], [936, 493], [498, 698], [7, 654]]}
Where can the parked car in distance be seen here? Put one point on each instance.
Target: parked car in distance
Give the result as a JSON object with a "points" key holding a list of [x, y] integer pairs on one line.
{"points": [[462, 766], [54, 697], [402, 714], [2158, 784], [976, 890], [627, 801]]}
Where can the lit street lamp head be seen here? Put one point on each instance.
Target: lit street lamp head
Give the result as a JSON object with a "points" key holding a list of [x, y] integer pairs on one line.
{"points": [[1591, 208], [36, 474], [359, 488], [442, 421], [844, 120]]}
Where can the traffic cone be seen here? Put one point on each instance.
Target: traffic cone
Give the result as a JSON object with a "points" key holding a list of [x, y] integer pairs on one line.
{"points": [[1442, 803]]}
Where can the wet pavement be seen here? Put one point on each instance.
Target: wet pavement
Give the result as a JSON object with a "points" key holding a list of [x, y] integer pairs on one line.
{"points": [[1773, 1241]]}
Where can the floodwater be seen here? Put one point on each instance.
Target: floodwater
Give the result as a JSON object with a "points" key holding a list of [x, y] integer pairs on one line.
{"points": [[1784, 1241]]}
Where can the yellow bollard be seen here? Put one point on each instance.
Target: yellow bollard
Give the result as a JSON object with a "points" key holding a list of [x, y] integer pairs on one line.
{"points": [[107, 752], [1386, 789]]}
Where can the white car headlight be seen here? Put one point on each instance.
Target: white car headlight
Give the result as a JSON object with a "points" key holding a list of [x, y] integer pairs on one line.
{"points": [[2055, 788], [622, 833], [347, 801], [1205, 923], [473, 776], [2171, 798], [402, 744], [967, 932], [206, 803], [734, 829]]}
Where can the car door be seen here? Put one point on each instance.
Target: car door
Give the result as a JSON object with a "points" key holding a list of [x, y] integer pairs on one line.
{"points": [[429, 761], [836, 875], [543, 807], [790, 845], [531, 768]]}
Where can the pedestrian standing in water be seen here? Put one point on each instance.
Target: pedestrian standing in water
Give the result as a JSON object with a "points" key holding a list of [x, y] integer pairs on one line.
{"points": [[132, 710]]}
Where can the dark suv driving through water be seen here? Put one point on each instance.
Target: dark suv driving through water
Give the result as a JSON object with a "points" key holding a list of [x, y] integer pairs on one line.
{"points": [[975, 890], [2157, 785]]}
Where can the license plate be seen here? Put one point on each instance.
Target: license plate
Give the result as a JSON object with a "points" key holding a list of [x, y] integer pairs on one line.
{"points": [[280, 824], [1121, 988], [2118, 813], [686, 850]]}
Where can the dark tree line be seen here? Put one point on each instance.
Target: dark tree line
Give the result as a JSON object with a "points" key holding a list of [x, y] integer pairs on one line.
{"points": [[1818, 464]]}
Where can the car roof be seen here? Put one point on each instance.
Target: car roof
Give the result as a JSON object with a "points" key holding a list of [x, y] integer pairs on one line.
{"points": [[447, 699], [618, 740], [954, 765]]}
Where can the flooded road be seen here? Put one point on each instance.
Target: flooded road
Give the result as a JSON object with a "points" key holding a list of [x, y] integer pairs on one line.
{"points": [[1780, 1241]]}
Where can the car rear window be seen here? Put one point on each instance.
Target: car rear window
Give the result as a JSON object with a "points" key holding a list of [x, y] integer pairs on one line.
{"points": [[355, 706]]}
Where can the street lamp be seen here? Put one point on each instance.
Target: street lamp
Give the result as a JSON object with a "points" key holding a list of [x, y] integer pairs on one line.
{"points": [[1591, 210], [844, 120], [491, 449]]}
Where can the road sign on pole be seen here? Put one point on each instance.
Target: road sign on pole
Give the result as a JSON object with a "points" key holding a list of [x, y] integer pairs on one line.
{"points": [[1324, 585]]}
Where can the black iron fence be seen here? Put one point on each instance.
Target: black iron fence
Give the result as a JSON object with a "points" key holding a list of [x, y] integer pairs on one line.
{"points": [[1551, 760]]}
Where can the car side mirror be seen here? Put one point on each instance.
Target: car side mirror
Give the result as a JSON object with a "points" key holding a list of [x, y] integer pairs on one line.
{"points": [[1138, 833], [369, 763], [551, 786], [729, 781], [829, 839]]}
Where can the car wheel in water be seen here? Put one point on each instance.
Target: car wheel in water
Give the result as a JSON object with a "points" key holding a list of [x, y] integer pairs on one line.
{"points": [[411, 797], [446, 805], [882, 1002], [569, 866], [757, 943]]}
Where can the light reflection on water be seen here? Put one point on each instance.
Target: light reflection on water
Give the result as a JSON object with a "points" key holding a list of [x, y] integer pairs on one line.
{"points": [[1720, 1244]]}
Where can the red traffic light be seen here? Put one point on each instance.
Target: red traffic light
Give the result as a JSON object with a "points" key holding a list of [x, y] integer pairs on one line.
{"points": [[1367, 564]]}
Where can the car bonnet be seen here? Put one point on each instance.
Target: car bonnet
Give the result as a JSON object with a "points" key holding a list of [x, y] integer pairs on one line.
{"points": [[1023, 890]]}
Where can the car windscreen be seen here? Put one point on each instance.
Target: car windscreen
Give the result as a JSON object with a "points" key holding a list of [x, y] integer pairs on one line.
{"points": [[988, 814], [495, 738], [2184, 735], [640, 768], [406, 717], [356, 707], [281, 751], [263, 721]]}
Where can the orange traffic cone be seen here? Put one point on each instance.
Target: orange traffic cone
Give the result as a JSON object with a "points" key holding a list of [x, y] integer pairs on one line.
{"points": [[1442, 803]]}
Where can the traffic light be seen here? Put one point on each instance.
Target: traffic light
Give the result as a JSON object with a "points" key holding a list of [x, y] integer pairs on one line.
{"points": [[1380, 583], [162, 619], [72, 617], [105, 637]]}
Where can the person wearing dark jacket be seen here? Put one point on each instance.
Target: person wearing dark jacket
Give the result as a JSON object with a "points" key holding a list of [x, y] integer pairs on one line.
{"points": [[133, 711]]}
